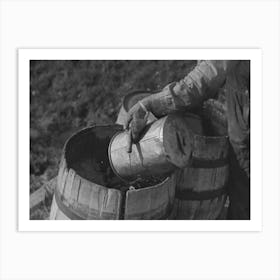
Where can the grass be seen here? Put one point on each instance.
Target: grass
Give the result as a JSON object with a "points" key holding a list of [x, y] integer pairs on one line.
{"points": [[66, 96]]}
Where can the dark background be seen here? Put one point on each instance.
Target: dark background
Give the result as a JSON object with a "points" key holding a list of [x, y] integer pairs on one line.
{"points": [[66, 96]]}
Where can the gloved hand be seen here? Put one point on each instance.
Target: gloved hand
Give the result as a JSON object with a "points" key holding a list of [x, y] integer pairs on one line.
{"points": [[136, 121], [159, 104]]}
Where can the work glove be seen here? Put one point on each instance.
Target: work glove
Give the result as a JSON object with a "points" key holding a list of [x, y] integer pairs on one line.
{"points": [[136, 121], [156, 105]]}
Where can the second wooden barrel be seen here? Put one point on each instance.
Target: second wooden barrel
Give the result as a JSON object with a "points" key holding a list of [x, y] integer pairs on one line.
{"points": [[88, 189], [201, 188]]}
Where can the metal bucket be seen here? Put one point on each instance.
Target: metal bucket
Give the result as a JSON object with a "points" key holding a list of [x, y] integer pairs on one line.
{"points": [[147, 157], [150, 157]]}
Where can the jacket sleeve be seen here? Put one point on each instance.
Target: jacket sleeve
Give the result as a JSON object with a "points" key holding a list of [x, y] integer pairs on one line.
{"points": [[201, 83]]}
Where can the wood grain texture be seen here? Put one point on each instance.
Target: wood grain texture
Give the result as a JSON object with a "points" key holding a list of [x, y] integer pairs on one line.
{"points": [[203, 179], [56, 213], [84, 198], [37, 198], [150, 203]]}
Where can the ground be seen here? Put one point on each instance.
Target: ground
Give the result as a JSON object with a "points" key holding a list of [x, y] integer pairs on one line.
{"points": [[66, 96]]}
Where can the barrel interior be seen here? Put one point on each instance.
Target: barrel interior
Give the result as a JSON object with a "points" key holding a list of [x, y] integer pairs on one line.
{"points": [[87, 154]]}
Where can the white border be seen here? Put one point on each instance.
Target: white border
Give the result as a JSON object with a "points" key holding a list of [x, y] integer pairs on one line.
{"points": [[25, 55]]}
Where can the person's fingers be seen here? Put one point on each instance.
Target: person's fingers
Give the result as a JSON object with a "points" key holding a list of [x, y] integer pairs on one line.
{"points": [[135, 122], [137, 127], [127, 121], [135, 132], [129, 141]]}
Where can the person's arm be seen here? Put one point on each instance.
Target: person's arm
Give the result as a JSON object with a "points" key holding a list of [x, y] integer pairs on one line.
{"points": [[203, 82], [199, 85]]}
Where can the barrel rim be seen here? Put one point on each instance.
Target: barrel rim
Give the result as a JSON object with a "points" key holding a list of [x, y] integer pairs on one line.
{"points": [[87, 129], [80, 132], [186, 113], [164, 181]]}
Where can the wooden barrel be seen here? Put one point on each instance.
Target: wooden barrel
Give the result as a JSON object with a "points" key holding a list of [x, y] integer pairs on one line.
{"points": [[201, 189], [81, 191], [86, 187], [214, 118], [153, 203]]}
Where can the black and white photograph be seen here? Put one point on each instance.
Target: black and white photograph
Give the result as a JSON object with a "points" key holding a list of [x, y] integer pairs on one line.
{"points": [[140, 139]]}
